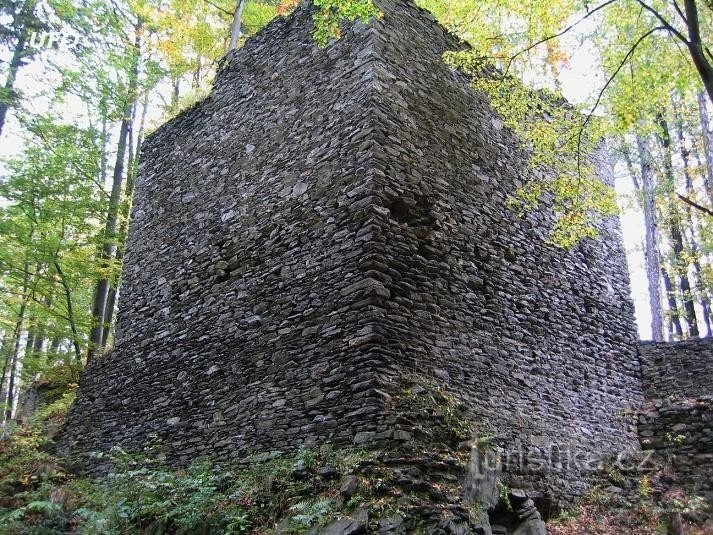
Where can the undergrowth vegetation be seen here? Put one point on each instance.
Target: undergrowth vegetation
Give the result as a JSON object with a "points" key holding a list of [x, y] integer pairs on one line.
{"points": [[142, 495], [643, 511], [281, 493]]}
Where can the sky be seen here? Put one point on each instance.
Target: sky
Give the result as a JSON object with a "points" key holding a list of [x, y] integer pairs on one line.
{"points": [[578, 81]]}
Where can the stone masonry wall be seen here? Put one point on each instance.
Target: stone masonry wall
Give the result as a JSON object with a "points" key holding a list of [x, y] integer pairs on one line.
{"points": [[677, 369], [538, 342], [682, 430], [677, 419], [330, 224]]}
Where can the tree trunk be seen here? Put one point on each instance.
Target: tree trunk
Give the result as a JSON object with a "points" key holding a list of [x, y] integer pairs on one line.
{"points": [[17, 338], [176, 93], [70, 312], [675, 232], [693, 227], [651, 250], [675, 329], [7, 342], [101, 292], [15, 343], [707, 145], [39, 342], [103, 137], [237, 25], [132, 168], [696, 47], [29, 343], [14, 65]]}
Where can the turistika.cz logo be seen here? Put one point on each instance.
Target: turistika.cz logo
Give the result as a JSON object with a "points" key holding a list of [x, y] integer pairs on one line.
{"points": [[54, 39]]}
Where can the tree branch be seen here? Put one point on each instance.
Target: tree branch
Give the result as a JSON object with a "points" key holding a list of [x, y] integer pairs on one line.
{"points": [[680, 12], [70, 311], [218, 8], [559, 34], [695, 205], [606, 85], [666, 24], [696, 47]]}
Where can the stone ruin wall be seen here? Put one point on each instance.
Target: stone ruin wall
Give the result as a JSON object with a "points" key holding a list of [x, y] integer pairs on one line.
{"points": [[677, 369], [330, 223], [677, 419]]}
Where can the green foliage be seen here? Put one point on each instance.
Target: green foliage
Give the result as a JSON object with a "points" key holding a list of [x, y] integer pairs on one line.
{"points": [[310, 513], [501, 29], [141, 494], [560, 141], [504, 493], [422, 398], [331, 12]]}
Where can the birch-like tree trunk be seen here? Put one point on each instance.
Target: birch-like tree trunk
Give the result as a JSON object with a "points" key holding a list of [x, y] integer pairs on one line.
{"points": [[707, 145], [6, 352], [675, 230], [674, 320], [652, 256], [693, 227], [236, 26], [14, 358]]}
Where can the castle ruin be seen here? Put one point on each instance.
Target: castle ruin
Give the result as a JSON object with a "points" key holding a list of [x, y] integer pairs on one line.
{"points": [[330, 226]]}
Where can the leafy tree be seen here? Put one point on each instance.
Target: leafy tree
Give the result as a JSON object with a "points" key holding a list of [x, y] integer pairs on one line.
{"points": [[17, 37]]}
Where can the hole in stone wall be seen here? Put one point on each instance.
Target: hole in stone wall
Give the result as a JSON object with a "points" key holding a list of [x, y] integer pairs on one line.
{"points": [[504, 517], [401, 211], [547, 507], [412, 212]]}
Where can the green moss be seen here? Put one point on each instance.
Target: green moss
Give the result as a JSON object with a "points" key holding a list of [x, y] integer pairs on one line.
{"points": [[421, 398]]}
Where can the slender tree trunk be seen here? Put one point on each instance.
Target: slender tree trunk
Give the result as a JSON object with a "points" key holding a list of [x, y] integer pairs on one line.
{"points": [[175, 93], [39, 342], [693, 227], [237, 25], [29, 342], [675, 329], [101, 292], [70, 312], [17, 339], [132, 168], [15, 344], [703, 299], [104, 136], [707, 145], [651, 250], [15, 63], [675, 232], [7, 342], [10, 81], [42, 330]]}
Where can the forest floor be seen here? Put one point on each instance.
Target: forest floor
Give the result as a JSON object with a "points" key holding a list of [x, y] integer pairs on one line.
{"points": [[323, 490]]}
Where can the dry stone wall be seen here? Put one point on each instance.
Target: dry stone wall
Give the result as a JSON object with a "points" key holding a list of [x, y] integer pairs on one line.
{"points": [[677, 369], [677, 419], [330, 223], [681, 430]]}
